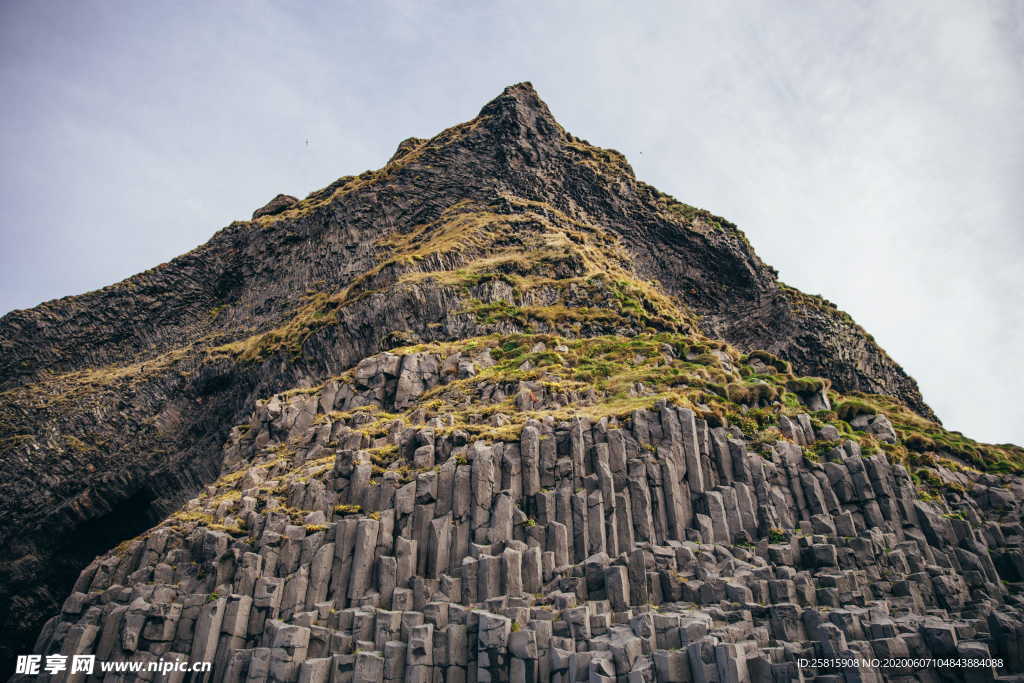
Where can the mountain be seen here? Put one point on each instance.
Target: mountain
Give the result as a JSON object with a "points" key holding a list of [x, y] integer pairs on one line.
{"points": [[497, 409]]}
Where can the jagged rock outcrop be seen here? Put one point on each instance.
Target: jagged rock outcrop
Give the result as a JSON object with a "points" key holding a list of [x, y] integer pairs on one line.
{"points": [[278, 204], [658, 385]]}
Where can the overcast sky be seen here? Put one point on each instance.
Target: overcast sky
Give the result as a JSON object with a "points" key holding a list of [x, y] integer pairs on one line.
{"points": [[872, 151]]}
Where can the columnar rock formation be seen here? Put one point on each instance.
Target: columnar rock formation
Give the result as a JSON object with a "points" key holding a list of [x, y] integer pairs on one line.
{"points": [[520, 426], [344, 544]]}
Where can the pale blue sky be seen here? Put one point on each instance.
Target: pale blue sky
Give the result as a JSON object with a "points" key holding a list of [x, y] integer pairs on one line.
{"points": [[872, 151]]}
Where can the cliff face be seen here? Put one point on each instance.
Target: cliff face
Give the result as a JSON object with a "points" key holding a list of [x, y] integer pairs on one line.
{"points": [[503, 238]]}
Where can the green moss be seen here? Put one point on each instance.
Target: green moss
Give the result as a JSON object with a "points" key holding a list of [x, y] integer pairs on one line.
{"points": [[384, 456], [919, 442], [852, 408], [751, 393], [497, 311], [783, 366], [807, 385]]}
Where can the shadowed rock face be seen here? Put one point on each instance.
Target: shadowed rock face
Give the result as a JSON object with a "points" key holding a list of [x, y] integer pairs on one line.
{"points": [[116, 404]]}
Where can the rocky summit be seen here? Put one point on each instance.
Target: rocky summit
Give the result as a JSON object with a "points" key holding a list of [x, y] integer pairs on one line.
{"points": [[497, 411]]}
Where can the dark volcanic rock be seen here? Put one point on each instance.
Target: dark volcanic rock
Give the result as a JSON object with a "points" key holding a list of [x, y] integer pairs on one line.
{"points": [[281, 202], [117, 404]]}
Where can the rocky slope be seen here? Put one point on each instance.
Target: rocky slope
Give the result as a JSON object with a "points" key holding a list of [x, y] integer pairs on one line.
{"points": [[538, 419]]}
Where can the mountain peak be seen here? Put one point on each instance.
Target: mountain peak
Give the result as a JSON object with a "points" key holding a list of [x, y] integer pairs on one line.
{"points": [[519, 112], [500, 282], [518, 95]]}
